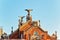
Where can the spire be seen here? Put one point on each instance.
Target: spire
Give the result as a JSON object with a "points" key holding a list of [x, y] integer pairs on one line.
{"points": [[28, 17], [11, 30], [56, 33], [21, 20], [39, 22]]}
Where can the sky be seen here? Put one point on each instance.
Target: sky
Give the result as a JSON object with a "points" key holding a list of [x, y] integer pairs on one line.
{"points": [[47, 11]]}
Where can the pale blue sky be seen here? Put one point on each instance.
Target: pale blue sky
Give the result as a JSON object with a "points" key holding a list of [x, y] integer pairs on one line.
{"points": [[47, 11]]}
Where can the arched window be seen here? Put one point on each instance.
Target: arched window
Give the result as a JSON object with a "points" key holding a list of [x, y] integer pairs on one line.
{"points": [[36, 33], [35, 36]]}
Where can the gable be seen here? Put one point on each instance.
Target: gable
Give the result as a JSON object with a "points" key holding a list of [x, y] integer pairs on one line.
{"points": [[32, 29], [14, 35], [40, 32], [25, 26]]}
